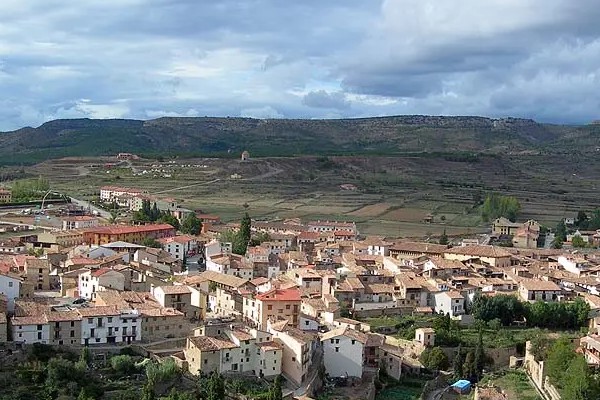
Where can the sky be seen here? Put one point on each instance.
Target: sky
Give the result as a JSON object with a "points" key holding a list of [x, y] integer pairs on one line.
{"points": [[145, 59]]}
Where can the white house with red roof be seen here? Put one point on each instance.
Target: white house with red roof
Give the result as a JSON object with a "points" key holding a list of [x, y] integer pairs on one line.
{"points": [[180, 246], [98, 280]]}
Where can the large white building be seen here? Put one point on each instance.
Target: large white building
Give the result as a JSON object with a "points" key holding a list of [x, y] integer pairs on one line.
{"points": [[230, 264], [31, 329], [10, 286], [450, 302], [107, 324], [180, 246], [343, 352], [101, 279]]}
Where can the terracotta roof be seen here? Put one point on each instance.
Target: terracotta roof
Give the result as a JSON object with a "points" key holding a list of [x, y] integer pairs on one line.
{"points": [[122, 229], [99, 311], [479, 251], [213, 276], [535, 284], [100, 272], [292, 294], [259, 281], [348, 332], [269, 346], [453, 294], [418, 247], [175, 289], [208, 343], [181, 239]]}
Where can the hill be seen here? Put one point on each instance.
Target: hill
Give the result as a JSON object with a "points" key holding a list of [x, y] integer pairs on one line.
{"points": [[289, 137]]}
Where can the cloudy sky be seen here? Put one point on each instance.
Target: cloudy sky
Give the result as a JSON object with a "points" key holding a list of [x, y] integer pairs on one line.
{"points": [[309, 58]]}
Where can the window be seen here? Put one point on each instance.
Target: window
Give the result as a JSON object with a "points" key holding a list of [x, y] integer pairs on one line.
{"points": [[270, 307], [353, 341], [39, 335], [331, 340], [287, 307], [90, 320], [10, 284], [109, 319], [293, 359], [72, 324], [337, 349], [337, 341], [280, 311], [72, 333], [205, 361]]}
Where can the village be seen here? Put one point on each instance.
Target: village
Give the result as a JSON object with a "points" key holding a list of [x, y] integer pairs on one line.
{"points": [[315, 302]]}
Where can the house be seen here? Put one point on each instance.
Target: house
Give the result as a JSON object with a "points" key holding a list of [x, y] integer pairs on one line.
{"points": [[60, 239], [504, 227], [526, 237], [591, 347], [344, 352], [230, 264], [108, 324], [30, 329], [92, 281], [10, 286], [332, 226], [298, 347], [274, 305], [492, 255], [37, 272], [539, 290], [425, 336], [118, 194], [415, 249], [131, 234], [12, 246], [245, 155], [65, 326], [158, 322], [5, 195], [234, 350], [178, 297], [78, 222], [450, 303], [180, 246]]}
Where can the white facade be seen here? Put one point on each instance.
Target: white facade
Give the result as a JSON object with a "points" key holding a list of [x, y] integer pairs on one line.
{"points": [[179, 248], [91, 282], [10, 287], [31, 333], [116, 327], [449, 303], [343, 356]]}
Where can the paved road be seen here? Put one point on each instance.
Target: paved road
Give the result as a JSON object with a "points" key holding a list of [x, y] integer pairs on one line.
{"points": [[187, 186], [85, 204]]}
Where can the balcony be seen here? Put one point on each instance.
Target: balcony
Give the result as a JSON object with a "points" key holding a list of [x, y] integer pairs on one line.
{"points": [[227, 359]]}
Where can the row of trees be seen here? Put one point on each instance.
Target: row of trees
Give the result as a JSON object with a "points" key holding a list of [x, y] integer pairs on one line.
{"points": [[151, 213], [466, 364], [496, 205], [29, 189], [552, 315]]}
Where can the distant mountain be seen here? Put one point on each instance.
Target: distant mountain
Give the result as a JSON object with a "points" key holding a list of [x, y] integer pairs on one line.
{"points": [[286, 137]]}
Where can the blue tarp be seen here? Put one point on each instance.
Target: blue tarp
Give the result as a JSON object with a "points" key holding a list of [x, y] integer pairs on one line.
{"points": [[462, 385]]}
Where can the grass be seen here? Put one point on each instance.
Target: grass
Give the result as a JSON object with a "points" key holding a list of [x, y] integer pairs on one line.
{"points": [[514, 383], [405, 389]]}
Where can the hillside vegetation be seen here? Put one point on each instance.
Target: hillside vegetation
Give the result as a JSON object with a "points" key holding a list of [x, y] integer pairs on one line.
{"points": [[446, 136]]}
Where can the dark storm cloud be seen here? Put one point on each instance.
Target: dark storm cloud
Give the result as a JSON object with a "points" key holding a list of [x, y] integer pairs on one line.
{"points": [[313, 59]]}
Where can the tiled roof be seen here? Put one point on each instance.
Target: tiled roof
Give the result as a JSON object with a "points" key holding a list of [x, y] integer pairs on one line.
{"points": [[479, 251], [213, 276], [208, 343], [536, 284], [292, 294], [418, 247], [175, 289], [122, 229], [348, 332], [269, 346]]}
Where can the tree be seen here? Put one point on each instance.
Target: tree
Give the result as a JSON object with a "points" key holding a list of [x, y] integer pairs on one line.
{"points": [[244, 234], [167, 218], [148, 391], [151, 242], [215, 387], [557, 242], [561, 231], [191, 225], [582, 220], [122, 364], [154, 213], [560, 354], [578, 242], [444, 238], [496, 206], [275, 392], [469, 370], [479, 356], [434, 358], [576, 380], [85, 356], [457, 364], [594, 222]]}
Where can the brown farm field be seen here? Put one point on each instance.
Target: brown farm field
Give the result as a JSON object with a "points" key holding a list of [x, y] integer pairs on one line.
{"points": [[393, 194]]}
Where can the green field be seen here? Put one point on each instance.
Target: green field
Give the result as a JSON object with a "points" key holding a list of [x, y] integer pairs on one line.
{"points": [[514, 383]]}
